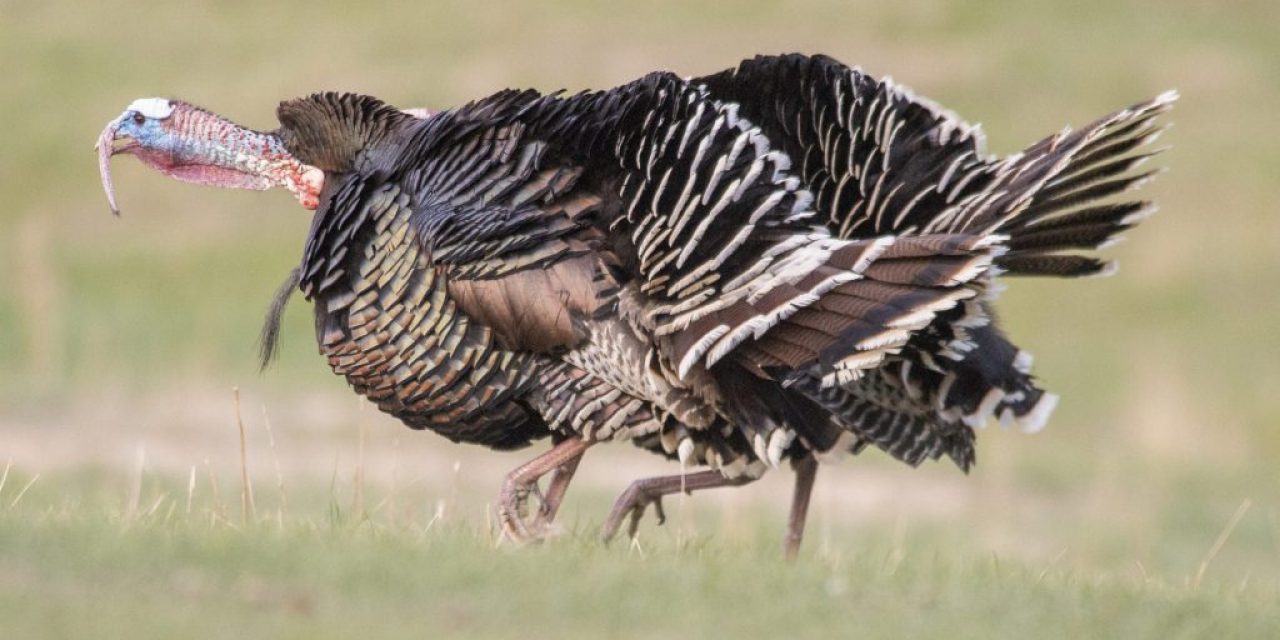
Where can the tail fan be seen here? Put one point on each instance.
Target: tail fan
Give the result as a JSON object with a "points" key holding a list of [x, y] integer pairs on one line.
{"points": [[1056, 198]]}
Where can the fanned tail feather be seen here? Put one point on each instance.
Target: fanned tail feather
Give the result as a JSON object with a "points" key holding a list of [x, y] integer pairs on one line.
{"points": [[1053, 198]]}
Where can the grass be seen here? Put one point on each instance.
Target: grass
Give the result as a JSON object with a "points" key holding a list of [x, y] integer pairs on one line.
{"points": [[125, 336], [86, 566]]}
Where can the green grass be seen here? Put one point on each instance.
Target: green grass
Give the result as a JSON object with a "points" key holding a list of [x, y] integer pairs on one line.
{"points": [[87, 567], [125, 334]]}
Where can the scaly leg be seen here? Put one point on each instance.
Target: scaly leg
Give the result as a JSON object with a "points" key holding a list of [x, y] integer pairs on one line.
{"points": [[556, 487], [806, 471], [520, 483], [648, 491]]}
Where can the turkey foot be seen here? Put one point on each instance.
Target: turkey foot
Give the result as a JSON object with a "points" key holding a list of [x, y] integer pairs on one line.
{"points": [[514, 497], [637, 498]]}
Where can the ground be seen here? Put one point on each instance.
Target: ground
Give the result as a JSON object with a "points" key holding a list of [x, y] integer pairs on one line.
{"points": [[162, 561], [1150, 507]]}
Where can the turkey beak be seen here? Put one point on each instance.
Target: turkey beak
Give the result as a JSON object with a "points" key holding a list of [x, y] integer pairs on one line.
{"points": [[106, 148]]}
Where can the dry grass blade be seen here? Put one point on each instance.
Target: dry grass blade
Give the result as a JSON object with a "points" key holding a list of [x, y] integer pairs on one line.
{"points": [[275, 461], [191, 488], [1221, 541], [23, 492], [1052, 563], [1142, 569], [5, 476], [217, 509], [246, 487], [155, 506], [135, 490]]}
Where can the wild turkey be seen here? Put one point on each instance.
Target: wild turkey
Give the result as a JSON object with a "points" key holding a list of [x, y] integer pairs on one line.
{"points": [[646, 263]]}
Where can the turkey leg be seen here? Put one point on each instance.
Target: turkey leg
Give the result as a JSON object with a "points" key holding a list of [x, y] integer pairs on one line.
{"points": [[556, 488], [806, 471], [636, 499]]}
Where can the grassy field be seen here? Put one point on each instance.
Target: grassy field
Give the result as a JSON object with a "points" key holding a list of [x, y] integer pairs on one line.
{"points": [[1149, 508], [172, 562]]}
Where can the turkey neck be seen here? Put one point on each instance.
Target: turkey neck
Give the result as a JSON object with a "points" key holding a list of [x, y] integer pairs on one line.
{"points": [[214, 150], [215, 141]]}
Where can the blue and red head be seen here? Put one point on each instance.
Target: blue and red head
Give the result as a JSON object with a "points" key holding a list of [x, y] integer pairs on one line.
{"points": [[190, 144]]}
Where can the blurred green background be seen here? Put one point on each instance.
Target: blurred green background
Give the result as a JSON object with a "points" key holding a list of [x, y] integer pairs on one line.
{"points": [[120, 339]]}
